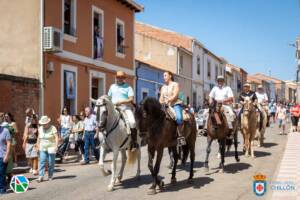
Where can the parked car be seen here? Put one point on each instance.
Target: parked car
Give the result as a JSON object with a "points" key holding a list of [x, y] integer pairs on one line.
{"points": [[201, 117]]}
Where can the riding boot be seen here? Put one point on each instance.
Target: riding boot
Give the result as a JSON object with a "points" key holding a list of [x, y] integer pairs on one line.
{"points": [[134, 144], [261, 120], [180, 140]]}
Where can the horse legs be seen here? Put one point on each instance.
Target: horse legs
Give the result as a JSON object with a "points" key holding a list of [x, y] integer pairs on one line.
{"points": [[151, 153], [138, 172], [208, 149], [171, 164], [251, 145], [247, 144], [235, 138], [175, 155], [113, 169], [222, 146], [101, 162], [123, 162], [192, 158], [159, 156]]}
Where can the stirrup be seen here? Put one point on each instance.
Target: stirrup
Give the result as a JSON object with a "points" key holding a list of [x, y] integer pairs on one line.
{"points": [[181, 141]]}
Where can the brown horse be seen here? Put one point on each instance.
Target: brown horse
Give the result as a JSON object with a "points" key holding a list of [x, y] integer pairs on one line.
{"points": [[221, 133], [161, 132], [249, 125]]}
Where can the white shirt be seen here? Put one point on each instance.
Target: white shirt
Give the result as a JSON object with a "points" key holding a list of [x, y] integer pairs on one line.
{"points": [[221, 93], [281, 113], [90, 123], [65, 121], [261, 97]]}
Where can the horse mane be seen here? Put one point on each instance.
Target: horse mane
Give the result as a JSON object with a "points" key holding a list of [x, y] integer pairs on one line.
{"points": [[154, 112]]}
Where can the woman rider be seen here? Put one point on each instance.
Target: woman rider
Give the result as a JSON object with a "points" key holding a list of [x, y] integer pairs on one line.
{"points": [[169, 95]]}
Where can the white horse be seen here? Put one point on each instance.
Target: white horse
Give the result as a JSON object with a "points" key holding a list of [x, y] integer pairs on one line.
{"points": [[115, 137]]}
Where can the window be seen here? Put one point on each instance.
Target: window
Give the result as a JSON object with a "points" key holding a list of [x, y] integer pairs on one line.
{"points": [[180, 63], [208, 69], [145, 93], [120, 38], [221, 71], [69, 88], [97, 84], [69, 17], [217, 71], [98, 48], [198, 65], [194, 99]]}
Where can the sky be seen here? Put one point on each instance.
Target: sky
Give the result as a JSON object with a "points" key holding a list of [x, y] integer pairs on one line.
{"points": [[252, 34]]}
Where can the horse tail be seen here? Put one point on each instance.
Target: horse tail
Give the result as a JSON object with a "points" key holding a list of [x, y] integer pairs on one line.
{"points": [[132, 156]]}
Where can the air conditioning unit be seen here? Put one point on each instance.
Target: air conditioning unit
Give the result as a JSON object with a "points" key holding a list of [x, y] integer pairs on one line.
{"points": [[52, 39]]}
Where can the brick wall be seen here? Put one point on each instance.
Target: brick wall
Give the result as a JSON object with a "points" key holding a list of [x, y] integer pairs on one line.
{"points": [[17, 94]]}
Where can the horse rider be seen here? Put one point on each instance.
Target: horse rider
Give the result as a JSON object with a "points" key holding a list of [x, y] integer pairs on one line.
{"points": [[122, 97], [262, 100], [170, 96], [247, 92], [222, 94]]}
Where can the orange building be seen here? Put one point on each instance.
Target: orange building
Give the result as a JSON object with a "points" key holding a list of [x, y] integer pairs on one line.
{"points": [[63, 53], [97, 40]]}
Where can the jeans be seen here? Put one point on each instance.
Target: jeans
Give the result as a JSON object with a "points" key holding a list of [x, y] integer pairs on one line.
{"points": [[178, 110], [80, 145], [44, 156], [3, 167], [63, 147], [89, 141]]}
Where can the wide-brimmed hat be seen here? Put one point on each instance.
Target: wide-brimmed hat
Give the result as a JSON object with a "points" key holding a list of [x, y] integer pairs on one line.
{"points": [[120, 74], [247, 85], [220, 78], [44, 120], [260, 87]]}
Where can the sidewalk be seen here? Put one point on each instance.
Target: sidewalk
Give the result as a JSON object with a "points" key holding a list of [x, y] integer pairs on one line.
{"points": [[287, 183]]}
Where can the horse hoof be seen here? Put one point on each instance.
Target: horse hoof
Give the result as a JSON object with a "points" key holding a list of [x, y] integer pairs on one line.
{"points": [[110, 188], [237, 159], [161, 185], [190, 181], [221, 171], [173, 181], [253, 156], [206, 169], [151, 191]]}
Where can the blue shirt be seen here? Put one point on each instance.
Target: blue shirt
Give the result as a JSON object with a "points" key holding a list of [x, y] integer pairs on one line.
{"points": [[120, 92], [4, 137]]}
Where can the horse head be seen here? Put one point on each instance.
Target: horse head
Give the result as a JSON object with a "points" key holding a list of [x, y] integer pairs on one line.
{"points": [[103, 106], [248, 105], [147, 114]]}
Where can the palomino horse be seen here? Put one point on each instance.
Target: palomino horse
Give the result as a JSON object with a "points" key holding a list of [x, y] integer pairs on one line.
{"points": [[261, 125], [221, 133], [248, 125], [115, 138], [161, 132]]}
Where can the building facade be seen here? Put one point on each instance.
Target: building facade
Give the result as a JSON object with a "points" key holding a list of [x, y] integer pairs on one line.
{"points": [[92, 40], [149, 80], [233, 77], [168, 51]]}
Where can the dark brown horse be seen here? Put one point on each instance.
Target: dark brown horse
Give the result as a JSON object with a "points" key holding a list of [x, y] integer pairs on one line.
{"points": [[161, 132], [222, 133]]}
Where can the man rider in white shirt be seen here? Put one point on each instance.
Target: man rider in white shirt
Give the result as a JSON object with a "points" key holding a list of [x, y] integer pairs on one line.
{"points": [[262, 99], [223, 94]]}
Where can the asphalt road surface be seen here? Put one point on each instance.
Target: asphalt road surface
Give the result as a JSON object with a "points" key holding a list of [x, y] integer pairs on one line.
{"points": [[73, 181]]}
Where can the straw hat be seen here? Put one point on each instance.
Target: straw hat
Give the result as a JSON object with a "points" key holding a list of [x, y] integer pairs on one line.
{"points": [[260, 87], [120, 74], [247, 85], [44, 120]]}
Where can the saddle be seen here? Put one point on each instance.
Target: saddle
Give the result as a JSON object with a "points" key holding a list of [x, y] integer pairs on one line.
{"points": [[170, 113]]}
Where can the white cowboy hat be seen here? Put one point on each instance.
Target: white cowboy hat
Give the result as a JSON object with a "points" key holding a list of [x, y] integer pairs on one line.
{"points": [[220, 78], [44, 120], [260, 87]]}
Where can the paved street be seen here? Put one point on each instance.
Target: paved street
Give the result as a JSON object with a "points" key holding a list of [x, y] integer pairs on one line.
{"points": [[85, 182]]}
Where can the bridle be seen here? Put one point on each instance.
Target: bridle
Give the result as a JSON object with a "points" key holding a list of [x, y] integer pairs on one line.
{"points": [[115, 124]]}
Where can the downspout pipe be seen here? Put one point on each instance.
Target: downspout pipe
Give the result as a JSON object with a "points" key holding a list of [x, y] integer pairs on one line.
{"points": [[42, 73]]}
